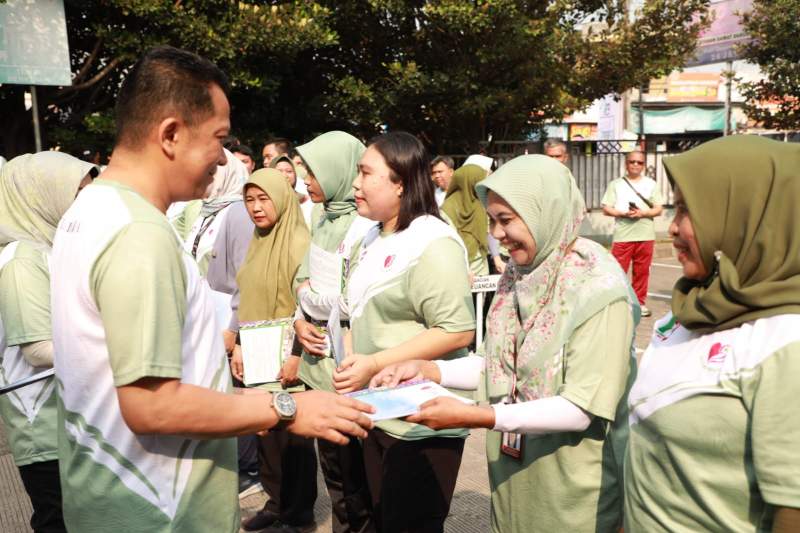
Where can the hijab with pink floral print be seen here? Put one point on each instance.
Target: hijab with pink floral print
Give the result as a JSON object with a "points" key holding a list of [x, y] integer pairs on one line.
{"points": [[537, 307]]}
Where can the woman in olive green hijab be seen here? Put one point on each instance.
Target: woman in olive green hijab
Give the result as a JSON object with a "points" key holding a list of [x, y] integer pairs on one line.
{"points": [[465, 211], [714, 419], [288, 462]]}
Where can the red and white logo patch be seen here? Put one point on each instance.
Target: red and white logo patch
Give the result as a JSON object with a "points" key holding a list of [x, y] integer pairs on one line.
{"points": [[718, 353], [388, 261]]}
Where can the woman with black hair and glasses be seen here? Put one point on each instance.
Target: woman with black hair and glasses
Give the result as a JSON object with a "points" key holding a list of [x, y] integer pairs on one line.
{"points": [[409, 298]]}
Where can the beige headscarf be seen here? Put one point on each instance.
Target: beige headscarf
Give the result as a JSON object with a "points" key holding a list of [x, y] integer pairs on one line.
{"points": [[35, 192], [265, 278]]}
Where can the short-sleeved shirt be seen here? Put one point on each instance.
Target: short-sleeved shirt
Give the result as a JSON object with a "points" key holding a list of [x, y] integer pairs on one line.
{"points": [[29, 413], [715, 428], [619, 194], [129, 303], [432, 292], [572, 481]]}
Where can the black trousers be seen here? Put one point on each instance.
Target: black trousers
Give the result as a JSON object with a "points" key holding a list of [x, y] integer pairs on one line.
{"points": [[43, 485], [248, 453], [288, 472], [411, 482], [346, 479]]}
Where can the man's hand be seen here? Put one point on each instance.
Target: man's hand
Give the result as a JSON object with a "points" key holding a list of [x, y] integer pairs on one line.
{"points": [[314, 342], [448, 413], [229, 340], [635, 213], [237, 363], [393, 375], [329, 416], [288, 372], [354, 373]]}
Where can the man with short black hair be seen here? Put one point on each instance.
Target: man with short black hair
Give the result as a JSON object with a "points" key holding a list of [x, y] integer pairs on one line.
{"points": [[442, 168], [274, 148], [244, 154], [143, 382], [557, 149], [634, 201]]}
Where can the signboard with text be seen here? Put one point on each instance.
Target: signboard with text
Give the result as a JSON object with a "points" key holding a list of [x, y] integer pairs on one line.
{"points": [[718, 43], [33, 43]]}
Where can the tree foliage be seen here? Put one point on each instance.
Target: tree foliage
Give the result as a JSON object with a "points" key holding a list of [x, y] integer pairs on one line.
{"points": [[452, 71], [456, 72], [774, 26]]}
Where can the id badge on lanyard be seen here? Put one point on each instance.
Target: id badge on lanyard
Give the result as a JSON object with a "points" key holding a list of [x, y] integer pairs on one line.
{"points": [[513, 444]]}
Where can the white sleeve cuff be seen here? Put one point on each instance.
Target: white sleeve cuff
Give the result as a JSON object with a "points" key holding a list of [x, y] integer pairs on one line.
{"points": [[462, 373], [538, 417]]}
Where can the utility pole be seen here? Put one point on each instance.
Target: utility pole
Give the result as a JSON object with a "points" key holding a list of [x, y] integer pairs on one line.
{"points": [[37, 132], [641, 112], [728, 88]]}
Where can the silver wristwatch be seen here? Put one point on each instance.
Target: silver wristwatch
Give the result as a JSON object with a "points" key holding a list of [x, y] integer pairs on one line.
{"points": [[285, 406]]}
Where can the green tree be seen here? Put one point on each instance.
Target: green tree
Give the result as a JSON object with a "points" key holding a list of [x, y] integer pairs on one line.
{"points": [[456, 72], [252, 41], [774, 26]]}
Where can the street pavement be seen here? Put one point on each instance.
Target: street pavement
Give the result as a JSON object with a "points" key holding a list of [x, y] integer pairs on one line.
{"points": [[469, 511]]}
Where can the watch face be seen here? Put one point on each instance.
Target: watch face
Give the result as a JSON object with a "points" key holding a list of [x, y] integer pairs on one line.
{"points": [[284, 404]]}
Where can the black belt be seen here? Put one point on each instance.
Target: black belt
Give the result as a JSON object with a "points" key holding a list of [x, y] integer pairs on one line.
{"points": [[324, 323]]}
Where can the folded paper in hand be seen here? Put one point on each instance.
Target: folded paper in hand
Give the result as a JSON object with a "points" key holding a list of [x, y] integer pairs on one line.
{"points": [[404, 399]]}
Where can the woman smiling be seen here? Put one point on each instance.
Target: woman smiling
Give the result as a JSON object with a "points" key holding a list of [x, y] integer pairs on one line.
{"points": [[714, 418], [558, 361], [409, 297]]}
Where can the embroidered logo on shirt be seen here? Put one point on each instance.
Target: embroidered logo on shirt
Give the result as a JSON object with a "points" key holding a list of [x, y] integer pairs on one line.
{"points": [[718, 353], [664, 332], [388, 261]]}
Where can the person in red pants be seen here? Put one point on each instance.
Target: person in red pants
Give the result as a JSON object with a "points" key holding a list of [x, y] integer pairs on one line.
{"points": [[634, 200]]}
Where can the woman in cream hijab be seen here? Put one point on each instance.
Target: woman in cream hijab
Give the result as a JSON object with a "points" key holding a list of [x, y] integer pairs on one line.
{"points": [[35, 192], [558, 359], [280, 240]]}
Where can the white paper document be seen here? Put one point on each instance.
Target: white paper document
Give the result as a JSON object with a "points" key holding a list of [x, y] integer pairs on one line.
{"points": [[326, 271], [404, 399], [336, 336], [264, 348]]}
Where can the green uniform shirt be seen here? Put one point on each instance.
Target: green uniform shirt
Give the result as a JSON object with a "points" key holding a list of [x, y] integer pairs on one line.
{"points": [[434, 292], [572, 482], [29, 413], [619, 195], [715, 428], [129, 303]]}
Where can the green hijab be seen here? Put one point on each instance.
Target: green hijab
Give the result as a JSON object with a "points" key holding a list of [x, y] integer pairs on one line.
{"points": [[333, 160], [274, 255], [537, 307], [741, 193], [35, 192], [465, 211]]}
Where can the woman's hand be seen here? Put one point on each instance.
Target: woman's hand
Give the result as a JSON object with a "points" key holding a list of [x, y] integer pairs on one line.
{"points": [[393, 375], [288, 372], [314, 342], [499, 264], [229, 340], [237, 363], [354, 373], [448, 413]]}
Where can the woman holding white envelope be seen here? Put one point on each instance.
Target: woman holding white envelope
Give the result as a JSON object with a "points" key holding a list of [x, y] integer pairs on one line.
{"points": [[331, 160], [558, 361], [408, 297], [288, 465]]}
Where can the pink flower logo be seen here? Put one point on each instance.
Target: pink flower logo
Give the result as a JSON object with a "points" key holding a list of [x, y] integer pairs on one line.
{"points": [[718, 353], [388, 261]]}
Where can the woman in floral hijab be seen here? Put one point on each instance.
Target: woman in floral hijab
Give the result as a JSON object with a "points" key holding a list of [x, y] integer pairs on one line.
{"points": [[557, 361]]}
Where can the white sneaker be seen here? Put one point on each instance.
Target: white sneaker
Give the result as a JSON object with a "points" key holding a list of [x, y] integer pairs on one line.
{"points": [[646, 312]]}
